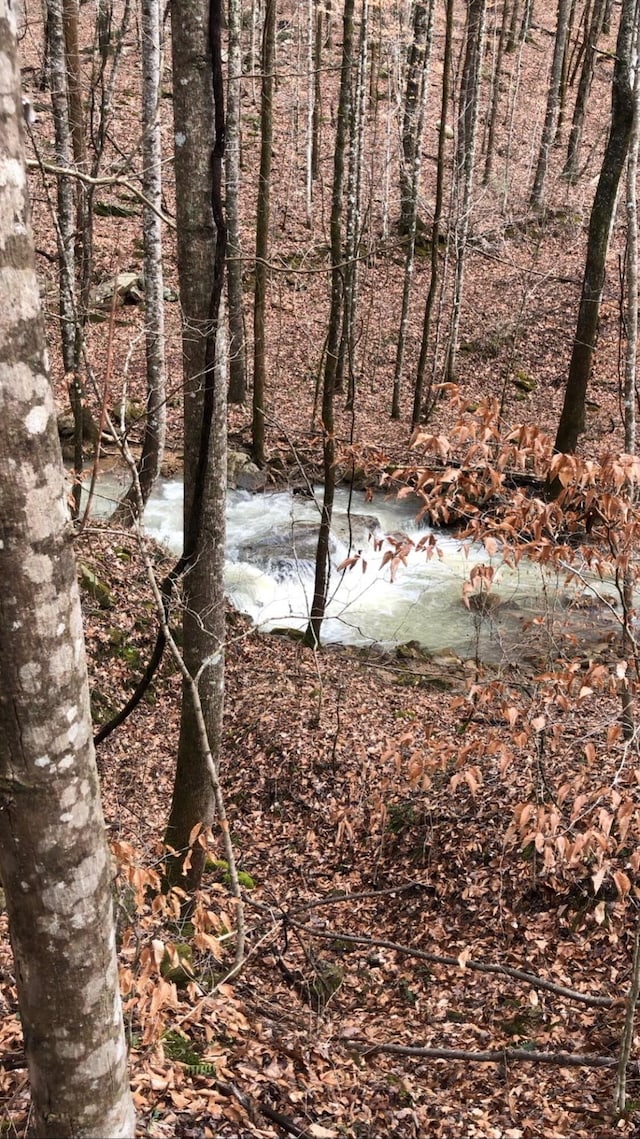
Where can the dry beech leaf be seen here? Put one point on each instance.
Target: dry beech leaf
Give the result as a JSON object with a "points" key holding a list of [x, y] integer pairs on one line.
{"points": [[464, 957], [600, 912], [623, 883]]}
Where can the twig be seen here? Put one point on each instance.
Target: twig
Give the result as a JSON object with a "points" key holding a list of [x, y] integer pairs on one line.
{"points": [[477, 966], [89, 180], [254, 1107]]}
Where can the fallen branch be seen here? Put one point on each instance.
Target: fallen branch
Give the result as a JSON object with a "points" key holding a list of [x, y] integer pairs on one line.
{"points": [[254, 1109], [477, 966], [490, 1055]]}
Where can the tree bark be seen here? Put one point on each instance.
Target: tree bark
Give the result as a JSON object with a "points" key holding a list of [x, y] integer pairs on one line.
{"points": [[318, 606], [571, 422], [418, 392], [54, 859], [156, 419], [551, 113], [262, 233], [584, 87], [201, 252], [235, 295]]}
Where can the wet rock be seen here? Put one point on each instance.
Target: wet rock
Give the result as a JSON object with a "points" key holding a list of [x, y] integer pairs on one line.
{"points": [[242, 472]]}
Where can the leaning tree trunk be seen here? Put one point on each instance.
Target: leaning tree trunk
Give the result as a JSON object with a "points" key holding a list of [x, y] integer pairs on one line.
{"points": [[318, 606], [198, 116], [262, 234], [54, 859], [156, 418], [602, 216]]}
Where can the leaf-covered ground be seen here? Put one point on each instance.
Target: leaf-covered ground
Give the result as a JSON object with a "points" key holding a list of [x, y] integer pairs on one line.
{"points": [[398, 820]]}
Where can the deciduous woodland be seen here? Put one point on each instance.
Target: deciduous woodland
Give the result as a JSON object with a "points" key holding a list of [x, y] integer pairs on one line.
{"points": [[376, 888]]}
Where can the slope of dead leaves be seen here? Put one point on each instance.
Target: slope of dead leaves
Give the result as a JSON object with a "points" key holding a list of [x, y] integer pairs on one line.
{"points": [[378, 807], [378, 804]]}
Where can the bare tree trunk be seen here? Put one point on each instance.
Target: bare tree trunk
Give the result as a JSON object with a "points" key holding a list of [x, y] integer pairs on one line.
{"points": [[413, 98], [584, 87], [199, 115], [346, 354], [156, 418], [312, 635], [54, 860], [423, 28], [237, 344], [602, 216], [317, 94], [66, 233], [494, 97], [262, 234], [465, 157], [620, 1092], [551, 114], [418, 394]]}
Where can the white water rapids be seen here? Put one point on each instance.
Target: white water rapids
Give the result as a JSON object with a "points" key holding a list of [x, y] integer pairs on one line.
{"points": [[270, 574]]}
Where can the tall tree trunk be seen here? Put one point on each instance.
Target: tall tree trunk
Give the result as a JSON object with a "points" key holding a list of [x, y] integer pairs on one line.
{"points": [[237, 344], [66, 234], [584, 87], [468, 112], [318, 606], [198, 116], [411, 140], [494, 97], [156, 418], [600, 224], [346, 355], [418, 393], [551, 113], [317, 94], [262, 233], [422, 33], [54, 860]]}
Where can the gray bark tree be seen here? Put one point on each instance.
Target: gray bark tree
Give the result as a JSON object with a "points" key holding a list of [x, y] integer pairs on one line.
{"points": [[54, 859]]}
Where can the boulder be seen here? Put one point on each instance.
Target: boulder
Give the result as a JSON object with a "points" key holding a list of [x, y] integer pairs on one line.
{"points": [[242, 472], [282, 550]]}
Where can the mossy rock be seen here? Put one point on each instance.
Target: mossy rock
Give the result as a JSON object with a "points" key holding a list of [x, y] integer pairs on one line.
{"points": [[220, 867], [524, 382], [95, 587], [177, 965]]}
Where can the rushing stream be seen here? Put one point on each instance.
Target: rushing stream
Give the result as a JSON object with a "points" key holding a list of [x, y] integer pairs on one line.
{"points": [[269, 575]]}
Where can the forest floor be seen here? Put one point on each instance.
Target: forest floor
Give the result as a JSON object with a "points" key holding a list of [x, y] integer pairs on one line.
{"points": [[377, 801]]}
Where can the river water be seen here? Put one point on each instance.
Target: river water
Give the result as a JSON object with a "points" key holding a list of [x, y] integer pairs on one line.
{"points": [[269, 576]]}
